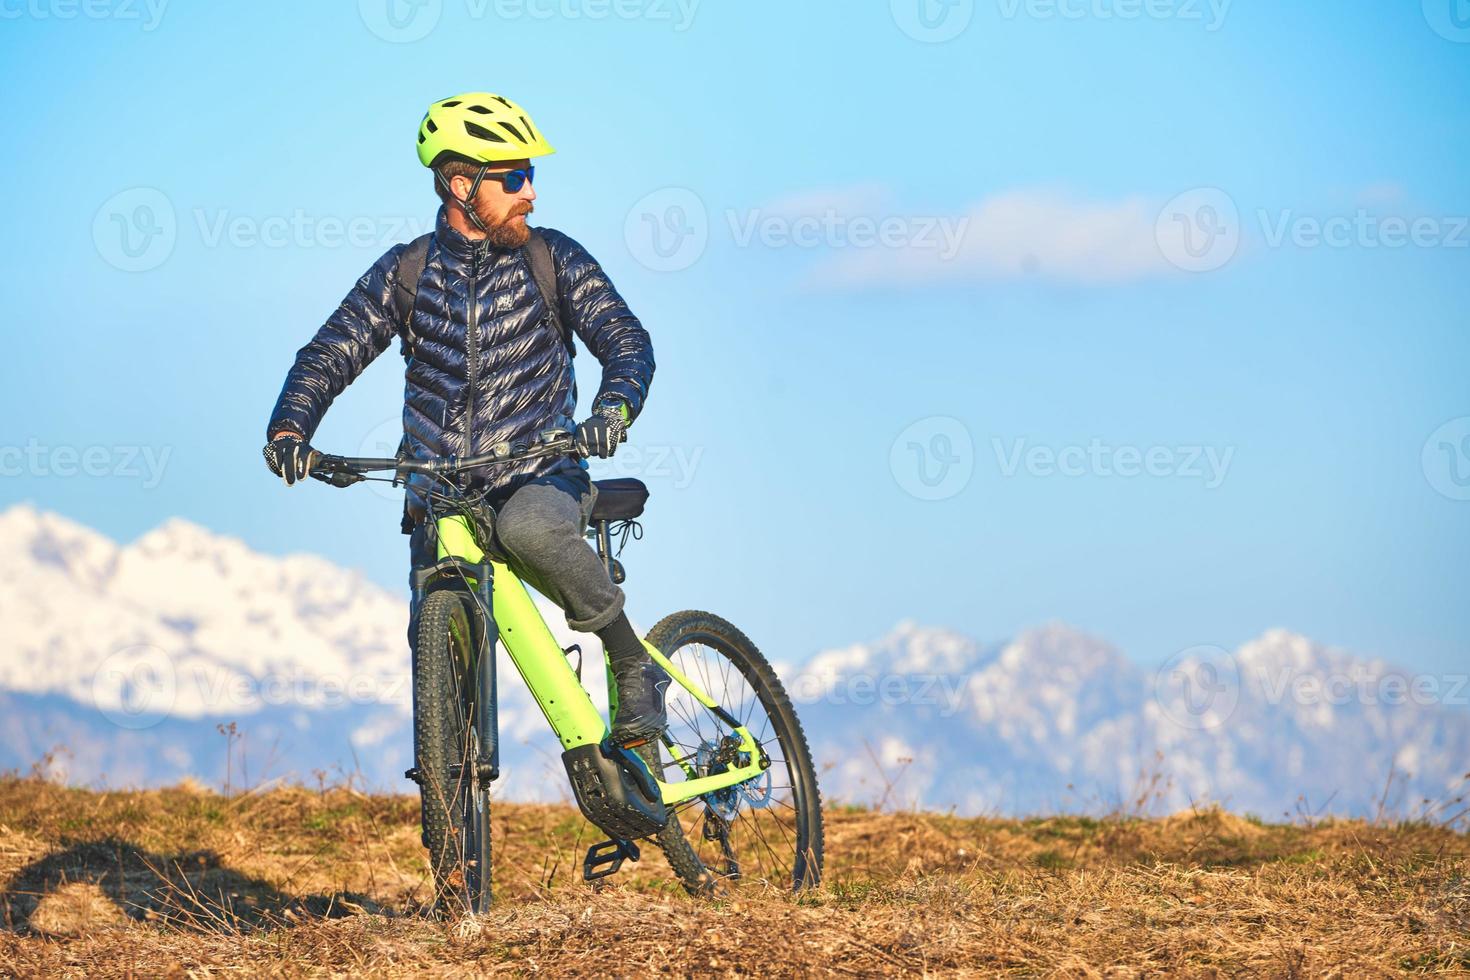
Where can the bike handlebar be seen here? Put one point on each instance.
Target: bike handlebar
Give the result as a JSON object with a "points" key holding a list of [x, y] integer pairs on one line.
{"points": [[342, 471]]}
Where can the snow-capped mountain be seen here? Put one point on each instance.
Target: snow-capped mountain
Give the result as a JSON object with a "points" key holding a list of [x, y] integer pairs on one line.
{"points": [[130, 658], [1058, 720]]}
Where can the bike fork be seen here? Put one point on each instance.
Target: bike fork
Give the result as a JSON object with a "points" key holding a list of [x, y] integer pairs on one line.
{"points": [[486, 702]]}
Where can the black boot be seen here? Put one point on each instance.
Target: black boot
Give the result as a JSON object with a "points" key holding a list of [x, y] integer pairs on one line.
{"points": [[640, 684], [641, 715]]}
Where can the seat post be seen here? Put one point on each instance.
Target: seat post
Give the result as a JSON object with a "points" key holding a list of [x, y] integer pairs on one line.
{"points": [[604, 547]]}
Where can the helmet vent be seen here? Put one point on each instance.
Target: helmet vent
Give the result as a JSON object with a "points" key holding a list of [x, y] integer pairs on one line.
{"points": [[512, 130], [423, 138], [527, 123], [433, 128], [450, 105], [501, 100], [481, 110], [483, 133]]}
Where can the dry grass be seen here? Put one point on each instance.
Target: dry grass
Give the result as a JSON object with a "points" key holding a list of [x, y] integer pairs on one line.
{"points": [[298, 881]]}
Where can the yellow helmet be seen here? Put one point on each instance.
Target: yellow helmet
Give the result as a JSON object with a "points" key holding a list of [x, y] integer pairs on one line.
{"points": [[481, 128]]}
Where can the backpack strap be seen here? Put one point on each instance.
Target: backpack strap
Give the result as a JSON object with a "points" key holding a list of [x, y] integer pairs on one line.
{"points": [[411, 262], [538, 255], [410, 269]]}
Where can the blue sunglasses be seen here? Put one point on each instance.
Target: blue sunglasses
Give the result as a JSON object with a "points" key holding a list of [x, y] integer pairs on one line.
{"points": [[513, 180]]}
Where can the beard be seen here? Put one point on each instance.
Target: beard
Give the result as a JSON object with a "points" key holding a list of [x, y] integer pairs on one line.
{"points": [[509, 233]]}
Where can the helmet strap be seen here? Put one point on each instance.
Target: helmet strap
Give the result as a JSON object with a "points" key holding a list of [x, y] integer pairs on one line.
{"points": [[467, 206]]}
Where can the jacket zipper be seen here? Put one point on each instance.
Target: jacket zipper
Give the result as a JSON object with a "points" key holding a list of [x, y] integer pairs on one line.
{"points": [[472, 353]]}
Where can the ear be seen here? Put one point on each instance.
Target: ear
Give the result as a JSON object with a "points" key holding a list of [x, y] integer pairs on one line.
{"points": [[459, 186]]}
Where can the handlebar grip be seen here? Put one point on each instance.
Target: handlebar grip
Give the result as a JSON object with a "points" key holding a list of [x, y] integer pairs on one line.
{"points": [[330, 463]]}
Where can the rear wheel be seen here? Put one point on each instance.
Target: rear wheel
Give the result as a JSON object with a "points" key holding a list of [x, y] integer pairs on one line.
{"points": [[767, 829], [455, 799]]}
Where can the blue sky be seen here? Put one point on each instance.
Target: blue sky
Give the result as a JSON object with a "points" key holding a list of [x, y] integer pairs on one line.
{"points": [[810, 379]]}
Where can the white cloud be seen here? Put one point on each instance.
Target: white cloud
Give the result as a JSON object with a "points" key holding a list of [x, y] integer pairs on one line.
{"points": [[1019, 234]]}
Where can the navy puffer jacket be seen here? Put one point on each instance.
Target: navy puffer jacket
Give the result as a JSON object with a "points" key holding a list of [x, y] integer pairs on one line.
{"points": [[523, 381]]}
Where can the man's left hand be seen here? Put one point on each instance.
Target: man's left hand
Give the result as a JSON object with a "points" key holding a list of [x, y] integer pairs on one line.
{"points": [[599, 436]]}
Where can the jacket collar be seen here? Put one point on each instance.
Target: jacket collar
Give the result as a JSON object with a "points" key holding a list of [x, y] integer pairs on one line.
{"points": [[458, 245]]}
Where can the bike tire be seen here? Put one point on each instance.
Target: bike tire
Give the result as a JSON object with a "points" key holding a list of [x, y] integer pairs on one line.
{"points": [[455, 805], [700, 868]]}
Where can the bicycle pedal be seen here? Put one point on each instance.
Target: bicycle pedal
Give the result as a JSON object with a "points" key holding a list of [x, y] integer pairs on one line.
{"points": [[606, 858]]}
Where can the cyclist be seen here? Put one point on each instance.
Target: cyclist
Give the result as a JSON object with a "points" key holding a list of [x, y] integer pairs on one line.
{"points": [[486, 364]]}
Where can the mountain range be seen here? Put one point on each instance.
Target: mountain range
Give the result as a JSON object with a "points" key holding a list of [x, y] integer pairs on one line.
{"points": [[186, 654]]}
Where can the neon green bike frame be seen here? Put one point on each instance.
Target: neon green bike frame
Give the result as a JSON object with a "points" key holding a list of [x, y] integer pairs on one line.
{"points": [[565, 703]]}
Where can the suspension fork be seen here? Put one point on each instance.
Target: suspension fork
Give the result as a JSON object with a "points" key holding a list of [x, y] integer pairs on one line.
{"points": [[487, 703]]}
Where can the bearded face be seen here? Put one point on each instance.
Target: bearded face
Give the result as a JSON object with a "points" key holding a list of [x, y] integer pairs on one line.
{"points": [[511, 230], [502, 213]]}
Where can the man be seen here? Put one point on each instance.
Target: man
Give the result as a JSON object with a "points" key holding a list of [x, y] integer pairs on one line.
{"points": [[486, 363]]}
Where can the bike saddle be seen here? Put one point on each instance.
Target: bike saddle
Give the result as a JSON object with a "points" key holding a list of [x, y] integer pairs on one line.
{"points": [[618, 500]]}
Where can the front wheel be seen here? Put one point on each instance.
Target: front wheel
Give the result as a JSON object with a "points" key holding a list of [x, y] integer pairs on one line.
{"points": [[455, 797], [767, 829]]}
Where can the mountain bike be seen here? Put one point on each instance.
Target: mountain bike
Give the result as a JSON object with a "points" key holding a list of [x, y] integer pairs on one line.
{"points": [[728, 792]]}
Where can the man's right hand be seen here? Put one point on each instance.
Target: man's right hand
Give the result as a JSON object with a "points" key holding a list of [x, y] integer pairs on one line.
{"points": [[289, 457]]}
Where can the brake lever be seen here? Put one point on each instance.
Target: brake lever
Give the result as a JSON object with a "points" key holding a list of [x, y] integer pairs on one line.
{"points": [[338, 478], [327, 469]]}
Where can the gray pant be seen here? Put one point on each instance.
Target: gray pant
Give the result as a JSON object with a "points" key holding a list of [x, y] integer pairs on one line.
{"points": [[540, 529]]}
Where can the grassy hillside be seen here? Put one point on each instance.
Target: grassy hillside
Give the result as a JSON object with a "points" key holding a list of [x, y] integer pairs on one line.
{"points": [[296, 881]]}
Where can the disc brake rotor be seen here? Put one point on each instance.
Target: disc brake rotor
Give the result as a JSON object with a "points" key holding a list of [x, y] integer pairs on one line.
{"points": [[756, 791]]}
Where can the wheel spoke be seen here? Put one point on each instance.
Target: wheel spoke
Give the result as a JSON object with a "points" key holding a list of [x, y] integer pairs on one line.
{"points": [[698, 743], [755, 828]]}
